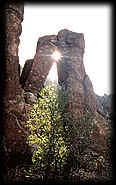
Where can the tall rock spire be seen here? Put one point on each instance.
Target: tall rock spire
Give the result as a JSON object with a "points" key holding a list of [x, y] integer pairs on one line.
{"points": [[13, 17]]}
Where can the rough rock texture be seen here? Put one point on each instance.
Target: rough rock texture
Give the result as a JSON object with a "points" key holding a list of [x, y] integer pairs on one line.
{"points": [[14, 139], [41, 65]]}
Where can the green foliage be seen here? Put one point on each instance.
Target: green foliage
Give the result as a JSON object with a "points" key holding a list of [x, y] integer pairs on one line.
{"points": [[47, 131], [55, 134]]}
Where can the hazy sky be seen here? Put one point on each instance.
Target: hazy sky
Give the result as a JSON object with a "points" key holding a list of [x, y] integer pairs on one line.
{"points": [[93, 21]]}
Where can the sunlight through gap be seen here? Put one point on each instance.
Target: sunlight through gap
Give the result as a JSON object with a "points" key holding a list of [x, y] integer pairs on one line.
{"points": [[56, 56], [52, 78]]}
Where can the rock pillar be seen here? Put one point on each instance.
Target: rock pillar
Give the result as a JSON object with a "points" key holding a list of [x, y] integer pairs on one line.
{"points": [[71, 71], [14, 135]]}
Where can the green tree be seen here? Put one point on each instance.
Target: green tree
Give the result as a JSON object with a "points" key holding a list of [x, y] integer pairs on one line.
{"points": [[47, 136]]}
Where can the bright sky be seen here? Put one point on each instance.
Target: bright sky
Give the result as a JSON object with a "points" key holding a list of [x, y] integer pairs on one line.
{"points": [[93, 21]]}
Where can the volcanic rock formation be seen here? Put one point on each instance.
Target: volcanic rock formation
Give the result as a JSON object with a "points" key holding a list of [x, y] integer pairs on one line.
{"points": [[19, 97], [71, 75]]}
